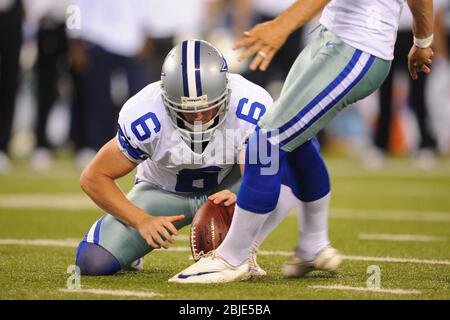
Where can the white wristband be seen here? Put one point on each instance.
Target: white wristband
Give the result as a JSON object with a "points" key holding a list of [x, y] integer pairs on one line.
{"points": [[423, 43]]}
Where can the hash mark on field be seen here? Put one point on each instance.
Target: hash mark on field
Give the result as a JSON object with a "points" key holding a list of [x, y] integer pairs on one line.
{"points": [[117, 293], [398, 237], [340, 287], [73, 243]]}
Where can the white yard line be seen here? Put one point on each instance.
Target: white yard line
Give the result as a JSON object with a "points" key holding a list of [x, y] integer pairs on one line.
{"points": [[73, 243], [117, 293], [417, 190], [399, 237], [396, 215], [398, 260], [64, 201], [387, 215], [74, 201], [68, 243], [365, 258], [353, 169], [346, 288]]}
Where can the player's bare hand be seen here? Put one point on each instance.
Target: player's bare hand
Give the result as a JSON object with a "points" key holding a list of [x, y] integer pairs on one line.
{"points": [[419, 61], [226, 197], [263, 41], [155, 229]]}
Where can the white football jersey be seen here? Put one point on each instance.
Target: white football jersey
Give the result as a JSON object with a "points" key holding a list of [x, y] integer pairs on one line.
{"points": [[368, 25], [147, 136]]}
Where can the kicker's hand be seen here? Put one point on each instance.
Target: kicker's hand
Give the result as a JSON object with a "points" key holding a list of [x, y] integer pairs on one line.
{"points": [[263, 41], [153, 229], [226, 197], [418, 61]]}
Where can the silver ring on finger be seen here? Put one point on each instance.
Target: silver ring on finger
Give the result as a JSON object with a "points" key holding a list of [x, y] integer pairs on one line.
{"points": [[262, 54]]}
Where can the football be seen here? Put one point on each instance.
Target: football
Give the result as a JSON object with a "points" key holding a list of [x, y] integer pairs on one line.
{"points": [[209, 227]]}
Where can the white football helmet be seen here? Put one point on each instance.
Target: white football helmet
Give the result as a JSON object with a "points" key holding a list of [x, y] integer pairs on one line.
{"points": [[194, 78]]}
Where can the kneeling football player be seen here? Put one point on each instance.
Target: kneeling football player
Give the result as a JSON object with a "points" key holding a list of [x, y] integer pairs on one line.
{"points": [[184, 134]]}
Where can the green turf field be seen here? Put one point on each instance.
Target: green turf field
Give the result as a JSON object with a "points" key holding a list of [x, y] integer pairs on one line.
{"points": [[397, 218]]}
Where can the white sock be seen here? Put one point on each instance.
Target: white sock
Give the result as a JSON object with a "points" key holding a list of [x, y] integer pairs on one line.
{"points": [[314, 228], [286, 202], [244, 228]]}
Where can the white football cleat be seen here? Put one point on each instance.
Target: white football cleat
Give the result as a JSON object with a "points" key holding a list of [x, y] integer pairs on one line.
{"points": [[255, 270], [328, 259], [136, 265], [212, 268]]}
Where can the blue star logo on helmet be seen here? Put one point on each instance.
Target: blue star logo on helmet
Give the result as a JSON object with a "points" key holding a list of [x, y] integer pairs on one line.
{"points": [[330, 44], [224, 66]]}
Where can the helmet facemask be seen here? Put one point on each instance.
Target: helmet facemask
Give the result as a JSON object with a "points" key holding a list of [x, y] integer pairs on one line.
{"points": [[194, 79], [197, 132]]}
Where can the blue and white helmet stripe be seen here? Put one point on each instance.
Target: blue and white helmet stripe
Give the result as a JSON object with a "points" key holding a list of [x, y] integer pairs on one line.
{"points": [[198, 79], [194, 78], [192, 83], [184, 68]]}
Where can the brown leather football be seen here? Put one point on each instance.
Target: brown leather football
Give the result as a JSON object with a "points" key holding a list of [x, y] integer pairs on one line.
{"points": [[209, 227]]}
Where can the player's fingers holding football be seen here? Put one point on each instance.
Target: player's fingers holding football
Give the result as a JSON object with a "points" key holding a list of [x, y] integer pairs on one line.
{"points": [[231, 200], [224, 196], [220, 196]]}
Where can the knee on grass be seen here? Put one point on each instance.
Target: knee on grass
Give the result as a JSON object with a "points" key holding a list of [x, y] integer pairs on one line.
{"points": [[94, 260]]}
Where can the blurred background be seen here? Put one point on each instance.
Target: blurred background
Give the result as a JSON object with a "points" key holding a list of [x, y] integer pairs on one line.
{"points": [[67, 67]]}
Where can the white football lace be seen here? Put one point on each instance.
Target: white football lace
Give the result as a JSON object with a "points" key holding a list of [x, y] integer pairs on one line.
{"points": [[211, 254], [196, 255], [213, 234]]}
